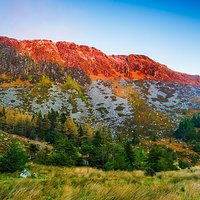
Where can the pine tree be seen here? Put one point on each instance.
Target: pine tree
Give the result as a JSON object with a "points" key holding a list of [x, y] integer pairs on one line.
{"points": [[52, 116], [161, 159], [196, 120], [97, 140], [14, 159], [64, 154], [185, 130], [2, 118], [129, 154], [140, 159]]}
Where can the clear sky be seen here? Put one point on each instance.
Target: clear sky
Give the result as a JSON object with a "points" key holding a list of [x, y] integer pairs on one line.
{"points": [[166, 30]]}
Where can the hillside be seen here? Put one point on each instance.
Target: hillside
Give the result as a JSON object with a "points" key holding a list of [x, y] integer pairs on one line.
{"points": [[130, 96], [118, 91], [107, 117]]}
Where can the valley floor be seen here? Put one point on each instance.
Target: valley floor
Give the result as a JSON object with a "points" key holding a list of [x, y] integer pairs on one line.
{"points": [[82, 183]]}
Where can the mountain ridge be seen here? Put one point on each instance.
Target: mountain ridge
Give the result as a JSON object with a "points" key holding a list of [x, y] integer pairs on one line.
{"points": [[96, 63], [129, 94]]}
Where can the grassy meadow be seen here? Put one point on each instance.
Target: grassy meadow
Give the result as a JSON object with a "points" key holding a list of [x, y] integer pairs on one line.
{"points": [[82, 183]]}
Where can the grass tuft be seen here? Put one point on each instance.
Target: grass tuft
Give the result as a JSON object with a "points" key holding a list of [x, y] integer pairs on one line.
{"points": [[83, 183]]}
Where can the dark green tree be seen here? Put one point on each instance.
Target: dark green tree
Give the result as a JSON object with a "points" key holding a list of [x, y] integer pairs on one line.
{"points": [[140, 159], [97, 155], [129, 153], [52, 116], [117, 158], [186, 131], [196, 120], [196, 147], [161, 159], [97, 140], [64, 154], [14, 159], [3, 118]]}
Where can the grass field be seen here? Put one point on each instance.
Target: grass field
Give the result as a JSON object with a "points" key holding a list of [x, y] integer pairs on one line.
{"points": [[82, 183]]}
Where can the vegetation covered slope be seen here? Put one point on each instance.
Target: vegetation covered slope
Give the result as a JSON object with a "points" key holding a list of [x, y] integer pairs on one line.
{"points": [[51, 182], [80, 144], [158, 105]]}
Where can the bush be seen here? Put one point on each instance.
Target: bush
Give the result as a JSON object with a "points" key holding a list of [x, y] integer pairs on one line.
{"points": [[161, 159], [183, 165], [63, 154], [196, 147], [149, 172], [14, 159], [186, 131], [42, 156]]}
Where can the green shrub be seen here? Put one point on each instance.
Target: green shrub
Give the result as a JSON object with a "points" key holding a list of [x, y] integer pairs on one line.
{"points": [[149, 172], [183, 165], [161, 159], [14, 159], [196, 147]]}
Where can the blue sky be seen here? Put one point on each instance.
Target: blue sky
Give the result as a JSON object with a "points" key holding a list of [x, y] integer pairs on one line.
{"points": [[167, 31]]}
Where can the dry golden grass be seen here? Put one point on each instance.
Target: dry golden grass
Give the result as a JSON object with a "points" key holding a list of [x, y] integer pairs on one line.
{"points": [[178, 147], [82, 183], [146, 116], [119, 90], [16, 83]]}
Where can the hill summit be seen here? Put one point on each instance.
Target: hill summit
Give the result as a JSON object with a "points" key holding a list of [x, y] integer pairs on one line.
{"points": [[96, 63]]}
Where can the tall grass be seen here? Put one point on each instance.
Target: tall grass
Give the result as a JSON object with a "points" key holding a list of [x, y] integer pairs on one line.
{"points": [[91, 184]]}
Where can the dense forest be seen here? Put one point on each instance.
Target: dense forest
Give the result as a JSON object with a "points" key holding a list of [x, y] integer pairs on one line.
{"points": [[189, 131], [75, 144]]}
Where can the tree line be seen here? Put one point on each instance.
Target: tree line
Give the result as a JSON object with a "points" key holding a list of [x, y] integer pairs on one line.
{"points": [[189, 131], [81, 145]]}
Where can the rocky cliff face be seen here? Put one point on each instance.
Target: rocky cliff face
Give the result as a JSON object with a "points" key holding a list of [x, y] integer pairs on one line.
{"points": [[95, 63], [125, 93]]}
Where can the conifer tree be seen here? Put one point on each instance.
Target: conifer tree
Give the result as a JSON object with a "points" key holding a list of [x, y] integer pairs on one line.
{"points": [[14, 159]]}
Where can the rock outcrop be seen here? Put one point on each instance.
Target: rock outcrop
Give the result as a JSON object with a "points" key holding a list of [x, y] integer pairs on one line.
{"points": [[96, 63]]}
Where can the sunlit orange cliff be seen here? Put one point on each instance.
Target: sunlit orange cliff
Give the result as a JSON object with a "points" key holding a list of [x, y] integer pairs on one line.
{"points": [[96, 63]]}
